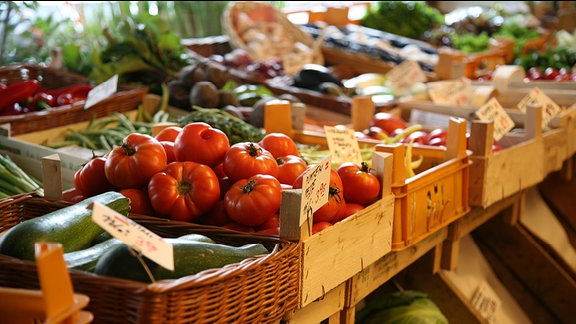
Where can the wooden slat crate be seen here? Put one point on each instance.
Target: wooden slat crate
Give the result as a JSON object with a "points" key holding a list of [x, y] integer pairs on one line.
{"points": [[335, 254]]}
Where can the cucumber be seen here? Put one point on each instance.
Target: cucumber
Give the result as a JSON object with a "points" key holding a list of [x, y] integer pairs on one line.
{"points": [[86, 259], [190, 257], [71, 226]]}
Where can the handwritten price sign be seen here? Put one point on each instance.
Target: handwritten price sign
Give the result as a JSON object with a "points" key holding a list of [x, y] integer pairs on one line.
{"points": [[343, 144], [102, 91], [492, 110], [537, 97], [457, 93], [315, 186], [135, 235], [404, 76]]}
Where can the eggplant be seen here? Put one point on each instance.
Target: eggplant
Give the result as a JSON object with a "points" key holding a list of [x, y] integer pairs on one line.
{"points": [[311, 76]]}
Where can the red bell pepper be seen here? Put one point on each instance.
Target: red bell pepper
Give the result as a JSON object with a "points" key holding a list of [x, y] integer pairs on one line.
{"points": [[42, 100]]}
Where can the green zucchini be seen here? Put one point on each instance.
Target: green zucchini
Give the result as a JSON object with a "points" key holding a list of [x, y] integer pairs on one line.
{"points": [[71, 226], [190, 257], [86, 259]]}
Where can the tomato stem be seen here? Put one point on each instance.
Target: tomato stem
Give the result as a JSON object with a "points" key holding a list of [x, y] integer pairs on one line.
{"points": [[249, 186], [253, 150], [184, 187], [128, 149]]}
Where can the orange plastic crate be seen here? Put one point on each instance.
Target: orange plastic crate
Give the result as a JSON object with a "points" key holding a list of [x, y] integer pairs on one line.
{"points": [[437, 195]]}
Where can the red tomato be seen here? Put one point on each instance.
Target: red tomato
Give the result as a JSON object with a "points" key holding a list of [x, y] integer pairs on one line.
{"points": [[91, 180], [139, 201], [272, 231], [318, 227], [388, 122], [420, 137], [279, 144], [330, 211], [289, 168], [169, 148], [246, 159], [437, 137], [253, 201], [239, 227], [168, 133], [132, 164], [272, 222], [351, 209], [374, 132], [216, 216], [360, 185], [184, 190], [201, 143]]}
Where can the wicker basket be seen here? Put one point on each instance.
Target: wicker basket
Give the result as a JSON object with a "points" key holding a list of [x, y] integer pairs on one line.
{"points": [[261, 13], [256, 290], [127, 98]]}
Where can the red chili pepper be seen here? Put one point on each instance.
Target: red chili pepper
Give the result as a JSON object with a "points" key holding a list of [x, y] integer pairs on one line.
{"points": [[12, 109], [17, 92], [41, 101], [70, 94]]}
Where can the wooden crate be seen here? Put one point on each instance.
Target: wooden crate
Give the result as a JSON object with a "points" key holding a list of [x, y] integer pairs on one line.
{"points": [[335, 254], [437, 195]]}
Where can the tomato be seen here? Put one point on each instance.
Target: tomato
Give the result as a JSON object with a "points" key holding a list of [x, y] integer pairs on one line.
{"points": [[272, 222], [330, 211], [132, 164], [90, 179], [351, 209], [184, 190], [169, 148], [253, 201], [318, 227], [168, 133], [279, 144], [216, 216], [199, 142], [419, 137], [245, 159], [388, 122], [239, 227], [289, 168], [437, 137], [374, 132], [361, 186], [139, 201]]}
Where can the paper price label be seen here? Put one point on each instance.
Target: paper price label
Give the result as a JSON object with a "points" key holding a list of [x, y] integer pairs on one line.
{"points": [[537, 97], [135, 235], [404, 76], [315, 187], [343, 144], [456, 93], [486, 301], [492, 110], [102, 91]]}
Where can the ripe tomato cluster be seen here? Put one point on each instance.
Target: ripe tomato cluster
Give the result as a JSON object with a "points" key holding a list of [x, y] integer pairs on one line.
{"points": [[192, 173]]}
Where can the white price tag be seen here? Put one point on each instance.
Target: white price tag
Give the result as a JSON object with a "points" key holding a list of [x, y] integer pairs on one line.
{"points": [[492, 110], [455, 93], [135, 235], [102, 91], [486, 301], [315, 187], [404, 76], [343, 144], [537, 97]]}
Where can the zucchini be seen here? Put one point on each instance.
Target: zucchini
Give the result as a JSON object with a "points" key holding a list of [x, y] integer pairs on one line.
{"points": [[71, 226], [86, 259], [190, 257]]}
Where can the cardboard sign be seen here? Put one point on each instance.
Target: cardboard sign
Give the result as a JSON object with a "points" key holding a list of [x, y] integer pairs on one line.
{"points": [[537, 97], [343, 144], [315, 187], [135, 235], [455, 93], [492, 110], [102, 91], [486, 301], [404, 76]]}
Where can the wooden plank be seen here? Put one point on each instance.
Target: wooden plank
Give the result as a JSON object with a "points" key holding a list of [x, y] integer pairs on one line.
{"points": [[328, 307], [469, 222], [532, 265]]}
